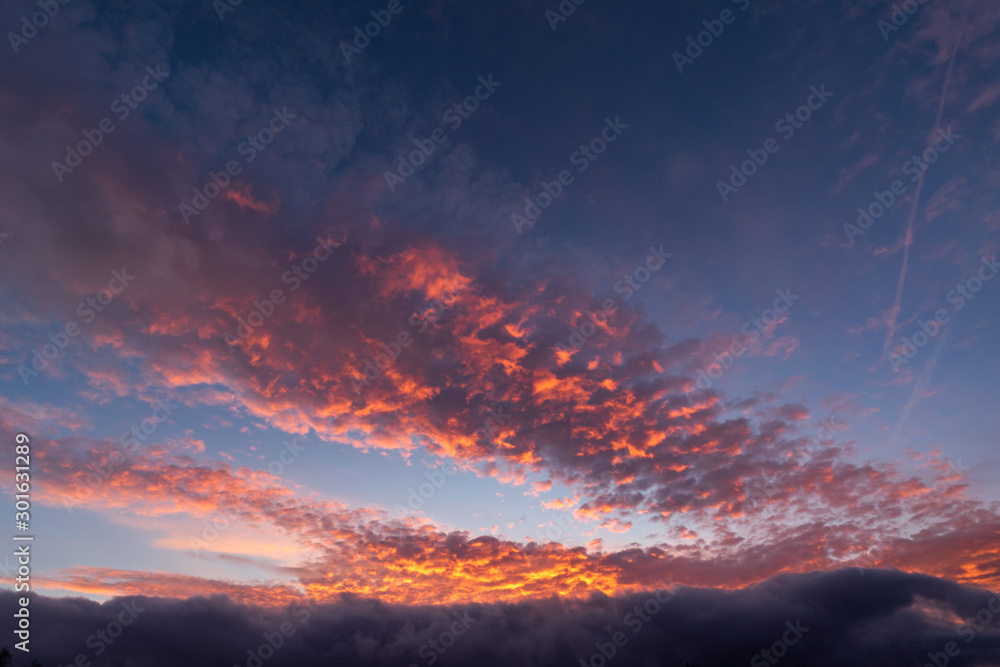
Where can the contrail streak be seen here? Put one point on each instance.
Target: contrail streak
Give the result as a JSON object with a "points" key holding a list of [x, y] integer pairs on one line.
{"points": [[908, 240]]}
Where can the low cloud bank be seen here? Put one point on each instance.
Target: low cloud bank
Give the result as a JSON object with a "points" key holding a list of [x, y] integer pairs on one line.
{"points": [[834, 619]]}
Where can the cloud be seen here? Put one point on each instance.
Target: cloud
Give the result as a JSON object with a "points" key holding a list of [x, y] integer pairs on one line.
{"points": [[339, 549], [739, 489], [885, 618]]}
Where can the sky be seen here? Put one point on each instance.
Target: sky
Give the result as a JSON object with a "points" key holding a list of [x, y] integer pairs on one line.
{"points": [[530, 308]]}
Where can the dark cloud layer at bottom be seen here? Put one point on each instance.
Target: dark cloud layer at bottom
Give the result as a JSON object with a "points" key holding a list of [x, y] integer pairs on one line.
{"points": [[882, 618]]}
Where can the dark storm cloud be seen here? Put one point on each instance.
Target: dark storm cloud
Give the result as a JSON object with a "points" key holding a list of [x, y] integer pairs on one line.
{"points": [[833, 619]]}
